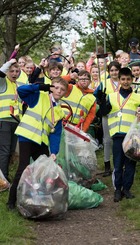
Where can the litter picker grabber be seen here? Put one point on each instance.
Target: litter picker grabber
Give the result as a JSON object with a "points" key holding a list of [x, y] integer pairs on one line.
{"points": [[104, 26], [105, 54], [74, 129], [95, 33]]}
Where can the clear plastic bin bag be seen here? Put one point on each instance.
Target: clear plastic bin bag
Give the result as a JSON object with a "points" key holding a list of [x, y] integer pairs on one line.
{"points": [[4, 184], [77, 156], [43, 190], [131, 143]]}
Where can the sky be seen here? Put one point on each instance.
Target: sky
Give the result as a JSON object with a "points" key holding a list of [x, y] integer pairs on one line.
{"points": [[73, 35]]}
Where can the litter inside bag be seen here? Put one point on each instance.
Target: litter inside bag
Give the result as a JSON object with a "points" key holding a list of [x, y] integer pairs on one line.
{"points": [[131, 143], [4, 184], [43, 190], [77, 156], [82, 198]]}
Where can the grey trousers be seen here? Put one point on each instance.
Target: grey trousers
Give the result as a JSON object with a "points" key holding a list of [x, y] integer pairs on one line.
{"points": [[8, 141], [107, 141]]}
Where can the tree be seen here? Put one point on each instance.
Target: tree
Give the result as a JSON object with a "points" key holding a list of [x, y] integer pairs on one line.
{"points": [[122, 19], [20, 21]]}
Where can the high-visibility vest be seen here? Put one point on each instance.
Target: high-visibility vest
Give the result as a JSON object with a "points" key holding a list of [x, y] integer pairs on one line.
{"points": [[36, 124], [119, 120], [78, 102], [110, 87], [22, 79], [9, 99], [47, 80]]}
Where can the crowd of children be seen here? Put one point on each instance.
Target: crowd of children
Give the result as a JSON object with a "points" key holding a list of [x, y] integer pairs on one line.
{"points": [[99, 90]]}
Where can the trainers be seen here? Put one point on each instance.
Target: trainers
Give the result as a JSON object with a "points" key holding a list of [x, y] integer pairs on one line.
{"points": [[117, 196], [127, 194]]}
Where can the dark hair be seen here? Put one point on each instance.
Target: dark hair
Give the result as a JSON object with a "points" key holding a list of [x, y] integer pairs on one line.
{"points": [[55, 64], [114, 63], [84, 72], [125, 71]]}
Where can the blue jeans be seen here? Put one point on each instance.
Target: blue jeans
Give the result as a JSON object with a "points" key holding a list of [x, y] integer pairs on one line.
{"points": [[124, 168]]}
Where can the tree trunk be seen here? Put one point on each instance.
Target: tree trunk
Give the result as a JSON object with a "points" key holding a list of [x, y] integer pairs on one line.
{"points": [[10, 34]]}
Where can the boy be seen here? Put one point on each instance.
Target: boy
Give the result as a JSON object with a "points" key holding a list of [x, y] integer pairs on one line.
{"points": [[81, 100], [121, 107], [10, 104], [40, 128], [47, 71], [124, 59], [135, 68]]}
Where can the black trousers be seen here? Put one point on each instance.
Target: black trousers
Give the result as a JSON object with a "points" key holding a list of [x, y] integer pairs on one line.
{"points": [[26, 150], [8, 141]]}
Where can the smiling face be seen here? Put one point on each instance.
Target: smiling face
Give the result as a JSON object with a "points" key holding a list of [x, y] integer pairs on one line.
{"points": [[126, 81], [28, 68], [21, 62], [114, 72], [94, 73], [124, 59], [55, 72]]}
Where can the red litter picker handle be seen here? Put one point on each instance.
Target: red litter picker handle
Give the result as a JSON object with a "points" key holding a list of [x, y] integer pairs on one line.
{"points": [[104, 24], [94, 23]]}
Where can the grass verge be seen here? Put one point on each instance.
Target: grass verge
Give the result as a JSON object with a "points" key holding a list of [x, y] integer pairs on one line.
{"points": [[14, 229]]}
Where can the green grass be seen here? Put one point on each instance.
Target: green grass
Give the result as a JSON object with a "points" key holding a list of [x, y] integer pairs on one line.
{"points": [[14, 229], [128, 208], [131, 208]]}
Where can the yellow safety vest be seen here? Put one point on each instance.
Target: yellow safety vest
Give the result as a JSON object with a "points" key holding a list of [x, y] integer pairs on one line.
{"points": [[110, 87], [78, 101], [36, 124], [119, 120], [9, 99], [47, 80], [22, 79]]}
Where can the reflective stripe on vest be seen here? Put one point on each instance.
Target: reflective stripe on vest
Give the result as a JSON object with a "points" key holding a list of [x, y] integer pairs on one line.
{"points": [[79, 102], [36, 124], [122, 123], [8, 98]]}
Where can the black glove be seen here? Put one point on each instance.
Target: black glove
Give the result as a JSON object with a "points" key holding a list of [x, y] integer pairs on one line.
{"points": [[101, 96], [75, 70], [46, 87]]}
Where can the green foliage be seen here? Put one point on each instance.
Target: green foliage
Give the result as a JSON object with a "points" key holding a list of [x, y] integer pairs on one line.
{"points": [[122, 19], [34, 22], [131, 208]]}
